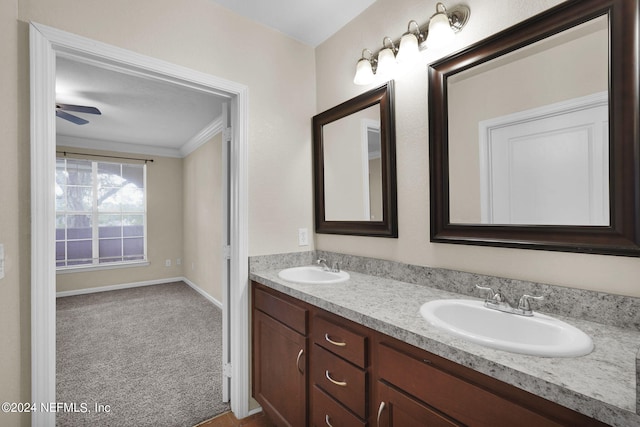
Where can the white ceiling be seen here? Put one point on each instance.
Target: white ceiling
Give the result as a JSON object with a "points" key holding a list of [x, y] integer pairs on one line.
{"points": [[309, 21], [147, 116]]}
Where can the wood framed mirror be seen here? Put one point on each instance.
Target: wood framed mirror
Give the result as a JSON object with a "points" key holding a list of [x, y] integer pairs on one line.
{"points": [[534, 134], [354, 166]]}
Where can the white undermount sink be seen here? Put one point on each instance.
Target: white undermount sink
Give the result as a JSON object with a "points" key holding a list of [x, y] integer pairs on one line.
{"points": [[313, 274], [537, 335]]}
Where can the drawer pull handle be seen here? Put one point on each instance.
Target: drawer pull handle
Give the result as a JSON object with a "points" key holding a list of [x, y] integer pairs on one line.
{"points": [[336, 343], [298, 360], [340, 383], [380, 409], [326, 420]]}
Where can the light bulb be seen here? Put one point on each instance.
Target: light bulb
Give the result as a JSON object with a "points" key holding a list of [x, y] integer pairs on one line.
{"points": [[364, 72], [386, 64], [409, 50], [440, 32]]}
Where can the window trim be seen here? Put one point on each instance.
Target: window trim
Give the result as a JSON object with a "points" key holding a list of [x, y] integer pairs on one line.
{"points": [[105, 266]]}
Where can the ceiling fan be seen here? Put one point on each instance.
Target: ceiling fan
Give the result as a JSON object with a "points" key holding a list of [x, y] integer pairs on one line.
{"points": [[62, 108]]}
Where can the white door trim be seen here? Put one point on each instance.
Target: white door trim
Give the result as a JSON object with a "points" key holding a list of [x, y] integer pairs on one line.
{"points": [[597, 146], [45, 44]]}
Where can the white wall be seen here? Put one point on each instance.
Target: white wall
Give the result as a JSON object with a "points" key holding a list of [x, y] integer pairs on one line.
{"points": [[335, 65]]}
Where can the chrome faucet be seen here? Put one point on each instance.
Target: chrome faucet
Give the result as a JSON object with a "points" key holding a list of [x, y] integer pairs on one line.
{"points": [[335, 268], [524, 305], [497, 301], [323, 263]]}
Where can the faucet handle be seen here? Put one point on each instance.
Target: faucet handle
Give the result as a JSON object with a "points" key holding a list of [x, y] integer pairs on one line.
{"points": [[523, 304], [491, 296], [335, 267]]}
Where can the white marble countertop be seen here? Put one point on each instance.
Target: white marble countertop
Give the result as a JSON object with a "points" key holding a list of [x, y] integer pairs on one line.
{"points": [[601, 384]]}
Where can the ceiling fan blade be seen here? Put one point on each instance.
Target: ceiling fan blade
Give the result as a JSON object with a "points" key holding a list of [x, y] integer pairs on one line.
{"points": [[71, 118], [78, 108]]}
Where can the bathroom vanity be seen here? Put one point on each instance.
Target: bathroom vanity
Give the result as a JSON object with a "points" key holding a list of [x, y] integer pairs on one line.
{"points": [[358, 353]]}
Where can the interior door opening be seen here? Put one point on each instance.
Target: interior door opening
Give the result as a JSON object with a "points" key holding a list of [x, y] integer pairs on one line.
{"points": [[46, 43]]}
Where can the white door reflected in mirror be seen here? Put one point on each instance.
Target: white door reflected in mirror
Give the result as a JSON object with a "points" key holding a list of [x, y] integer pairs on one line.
{"points": [[528, 134], [548, 165]]}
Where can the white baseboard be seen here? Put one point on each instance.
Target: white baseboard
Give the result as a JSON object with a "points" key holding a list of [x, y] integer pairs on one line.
{"points": [[202, 292], [140, 284], [117, 287], [254, 411]]}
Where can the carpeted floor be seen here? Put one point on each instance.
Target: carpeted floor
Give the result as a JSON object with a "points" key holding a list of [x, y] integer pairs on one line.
{"points": [[152, 354]]}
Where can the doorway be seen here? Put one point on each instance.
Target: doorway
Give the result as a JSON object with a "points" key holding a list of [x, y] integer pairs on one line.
{"points": [[45, 45]]}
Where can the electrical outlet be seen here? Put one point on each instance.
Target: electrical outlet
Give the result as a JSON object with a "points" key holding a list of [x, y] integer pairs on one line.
{"points": [[178, 261], [303, 237], [167, 263]]}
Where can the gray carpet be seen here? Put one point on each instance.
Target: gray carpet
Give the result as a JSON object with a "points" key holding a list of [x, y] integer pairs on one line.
{"points": [[153, 354]]}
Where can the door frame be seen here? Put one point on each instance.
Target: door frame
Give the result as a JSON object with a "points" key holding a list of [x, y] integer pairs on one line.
{"points": [[45, 44]]}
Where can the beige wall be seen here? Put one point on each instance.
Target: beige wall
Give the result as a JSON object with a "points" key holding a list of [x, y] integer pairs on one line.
{"points": [[15, 362], [184, 221], [206, 37], [335, 64], [199, 34], [164, 230], [203, 220]]}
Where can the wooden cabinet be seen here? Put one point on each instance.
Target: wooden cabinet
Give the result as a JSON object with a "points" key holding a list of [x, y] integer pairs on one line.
{"points": [[327, 411], [280, 358], [397, 409], [359, 377], [421, 385], [339, 371]]}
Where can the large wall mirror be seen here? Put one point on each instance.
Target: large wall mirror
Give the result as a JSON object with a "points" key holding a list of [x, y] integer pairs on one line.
{"points": [[354, 166], [534, 134]]}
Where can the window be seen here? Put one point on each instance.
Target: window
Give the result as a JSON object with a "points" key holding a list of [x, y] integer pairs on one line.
{"points": [[101, 213]]}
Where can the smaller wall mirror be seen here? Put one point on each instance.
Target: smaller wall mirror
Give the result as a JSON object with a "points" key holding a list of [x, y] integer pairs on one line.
{"points": [[354, 166]]}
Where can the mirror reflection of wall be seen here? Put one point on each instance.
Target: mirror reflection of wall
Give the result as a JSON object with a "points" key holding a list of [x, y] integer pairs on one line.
{"points": [[375, 169], [352, 167], [520, 177]]}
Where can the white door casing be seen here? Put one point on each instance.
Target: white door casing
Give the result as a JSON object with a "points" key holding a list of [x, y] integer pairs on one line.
{"points": [[547, 165], [45, 44]]}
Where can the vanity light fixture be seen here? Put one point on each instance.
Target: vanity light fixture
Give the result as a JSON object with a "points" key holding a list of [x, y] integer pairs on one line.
{"points": [[364, 69], [409, 48], [436, 33], [440, 32], [387, 62]]}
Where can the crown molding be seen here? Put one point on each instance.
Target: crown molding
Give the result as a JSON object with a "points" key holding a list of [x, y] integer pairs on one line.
{"points": [[211, 130], [119, 147]]}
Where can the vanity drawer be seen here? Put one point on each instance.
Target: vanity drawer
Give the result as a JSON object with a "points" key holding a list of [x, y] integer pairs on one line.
{"points": [[340, 379], [284, 311], [340, 340], [465, 401], [327, 412]]}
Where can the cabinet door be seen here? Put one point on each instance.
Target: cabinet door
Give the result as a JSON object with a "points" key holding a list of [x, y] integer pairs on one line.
{"points": [[396, 409], [279, 377]]}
